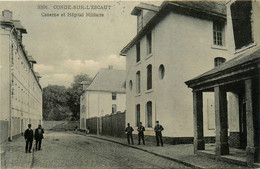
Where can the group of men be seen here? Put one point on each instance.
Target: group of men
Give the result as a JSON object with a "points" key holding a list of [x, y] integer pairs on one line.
{"points": [[38, 136], [157, 129]]}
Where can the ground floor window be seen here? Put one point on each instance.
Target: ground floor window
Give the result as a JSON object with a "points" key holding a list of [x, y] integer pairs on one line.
{"points": [[149, 114], [137, 114], [114, 109]]}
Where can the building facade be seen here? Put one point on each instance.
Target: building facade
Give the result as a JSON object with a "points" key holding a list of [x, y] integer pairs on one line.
{"points": [[105, 95], [174, 42], [235, 85], [20, 90]]}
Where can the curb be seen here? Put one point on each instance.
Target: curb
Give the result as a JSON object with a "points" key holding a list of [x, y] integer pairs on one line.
{"points": [[159, 155]]}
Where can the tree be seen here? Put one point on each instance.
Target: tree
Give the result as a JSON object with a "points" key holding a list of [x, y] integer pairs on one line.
{"points": [[55, 103], [74, 92]]}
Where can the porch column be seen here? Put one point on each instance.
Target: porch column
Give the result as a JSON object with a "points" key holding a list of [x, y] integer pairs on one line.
{"points": [[199, 143], [252, 120], [222, 146]]}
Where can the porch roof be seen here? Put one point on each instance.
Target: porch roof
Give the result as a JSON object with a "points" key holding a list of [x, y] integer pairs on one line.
{"points": [[242, 66]]}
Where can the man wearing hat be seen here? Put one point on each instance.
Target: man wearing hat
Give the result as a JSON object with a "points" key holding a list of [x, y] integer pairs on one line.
{"points": [[39, 136], [140, 130], [28, 135], [129, 131], [158, 132]]}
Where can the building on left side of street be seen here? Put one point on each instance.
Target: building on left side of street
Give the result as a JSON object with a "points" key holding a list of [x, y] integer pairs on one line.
{"points": [[105, 95], [20, 90]]}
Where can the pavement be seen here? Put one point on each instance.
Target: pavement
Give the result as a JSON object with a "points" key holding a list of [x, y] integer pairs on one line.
{"points": [[182, 153], [168, 156]]}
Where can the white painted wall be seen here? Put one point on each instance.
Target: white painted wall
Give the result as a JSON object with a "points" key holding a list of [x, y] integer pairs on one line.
{"points": [[184, 45], [100, 103], [26, 102]]}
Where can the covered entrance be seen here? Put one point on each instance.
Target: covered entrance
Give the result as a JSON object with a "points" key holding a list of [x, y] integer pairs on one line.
{"points": [[236, 96]]}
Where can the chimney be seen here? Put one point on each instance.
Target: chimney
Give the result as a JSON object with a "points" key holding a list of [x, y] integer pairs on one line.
{"points": [[110, 67], [218, 61], [7, 15]]}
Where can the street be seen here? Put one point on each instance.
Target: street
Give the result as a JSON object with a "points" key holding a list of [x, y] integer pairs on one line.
{"points": [[68, 150]]}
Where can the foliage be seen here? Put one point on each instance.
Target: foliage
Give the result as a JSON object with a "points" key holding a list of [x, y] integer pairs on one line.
{"points": [[74, 92], [60, 103]]}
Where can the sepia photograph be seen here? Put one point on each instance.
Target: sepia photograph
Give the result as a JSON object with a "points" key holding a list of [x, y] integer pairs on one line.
{"points": [[129, 84]]}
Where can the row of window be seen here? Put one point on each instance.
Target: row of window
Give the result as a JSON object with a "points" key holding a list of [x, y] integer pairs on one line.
{"points": [[148, 114], [149, 80], [22, 98], [21, 69], [148, 45], [218, 39]]}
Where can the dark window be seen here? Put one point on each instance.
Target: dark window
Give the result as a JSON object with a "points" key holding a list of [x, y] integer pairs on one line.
{"points": [[161, 71], [218, 33], [241, 20], [149, 43], [149, 77], [140, 21], [149, 113], [113, 96], [137, 114], [138, 52], [130, 84], [138, 82], [114, 109]]}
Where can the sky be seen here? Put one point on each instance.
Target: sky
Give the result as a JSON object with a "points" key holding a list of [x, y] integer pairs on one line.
{"points": [[67, 46]]}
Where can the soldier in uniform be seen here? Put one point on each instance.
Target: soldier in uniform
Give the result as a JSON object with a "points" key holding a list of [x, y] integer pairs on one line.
{"points": [[140, 130], [129, 131], [158, 132], [28, 135], [38, 137]]}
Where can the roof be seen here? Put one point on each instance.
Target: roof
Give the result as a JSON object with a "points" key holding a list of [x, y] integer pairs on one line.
{"points": [[137, 9], [108, 80], [18, 25], [202, 9], [37, 74], [250, 56], [85, 82], [31, 59]]}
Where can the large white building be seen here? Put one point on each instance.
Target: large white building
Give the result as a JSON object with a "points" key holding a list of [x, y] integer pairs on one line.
{"points": [[175, 42], [105, 95], [20, 90]]}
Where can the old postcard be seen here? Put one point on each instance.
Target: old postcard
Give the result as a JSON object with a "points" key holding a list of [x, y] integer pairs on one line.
{"points": [[129, 84]]}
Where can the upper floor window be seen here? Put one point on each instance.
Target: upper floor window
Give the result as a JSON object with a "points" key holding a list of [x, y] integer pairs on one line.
{"points": [[149, 43], [130, 84], [242, 23], [138, 82], [113, 96], [149, 77], [218, 33], [161, 71], [140, 21], [138, 52]]}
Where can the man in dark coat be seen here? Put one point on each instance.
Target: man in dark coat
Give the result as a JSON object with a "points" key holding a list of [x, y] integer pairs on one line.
{"points": [[140, 130], [28, 135], [129, 131], [158, 132], [39, 136]]}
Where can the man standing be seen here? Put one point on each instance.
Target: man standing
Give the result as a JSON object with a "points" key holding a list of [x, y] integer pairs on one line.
{"points": [[38, 137], [158, 132], [140, 130], [129, 131], [28, 135]]}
